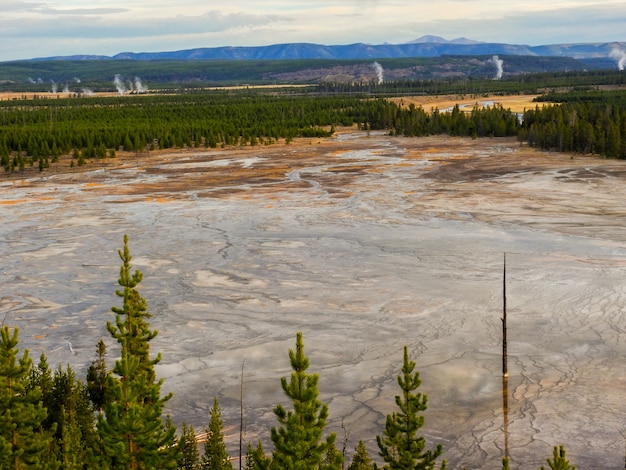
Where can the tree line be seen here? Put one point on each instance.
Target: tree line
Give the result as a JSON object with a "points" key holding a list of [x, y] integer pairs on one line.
{"points": [[173, 75], [40, 131], [32, 131], [588, 122], [114, 419], [480, 84]]}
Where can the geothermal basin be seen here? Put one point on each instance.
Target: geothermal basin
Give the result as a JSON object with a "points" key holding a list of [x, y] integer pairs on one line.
{"points": [[365, 243]]}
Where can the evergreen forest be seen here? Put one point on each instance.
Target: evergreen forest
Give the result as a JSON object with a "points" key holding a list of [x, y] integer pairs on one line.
{"points": [[581, 118], [113, 419]]}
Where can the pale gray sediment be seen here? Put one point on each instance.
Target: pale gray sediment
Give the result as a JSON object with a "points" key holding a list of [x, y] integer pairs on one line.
{"points": [[378, 243]]}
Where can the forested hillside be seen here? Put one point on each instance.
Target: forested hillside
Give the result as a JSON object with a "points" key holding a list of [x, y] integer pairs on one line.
{"points": [[99, 75]]}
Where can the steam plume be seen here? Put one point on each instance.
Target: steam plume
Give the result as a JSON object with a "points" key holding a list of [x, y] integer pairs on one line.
{"points": [[54, 87], [87, 92], [30, 80], [140, 87], [620, 56], [379, 71], [119, 84], [66, 89], [498, 63], [77, 80]]}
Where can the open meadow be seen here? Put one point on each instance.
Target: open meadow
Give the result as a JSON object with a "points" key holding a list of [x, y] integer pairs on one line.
{"points": [[516, 103], [365, 243]]}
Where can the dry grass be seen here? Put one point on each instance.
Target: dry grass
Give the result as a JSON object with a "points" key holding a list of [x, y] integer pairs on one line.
{"points": [[516, 103]]}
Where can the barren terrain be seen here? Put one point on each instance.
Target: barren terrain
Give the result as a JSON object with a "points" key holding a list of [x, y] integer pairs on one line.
{"points": [[365, 243]]}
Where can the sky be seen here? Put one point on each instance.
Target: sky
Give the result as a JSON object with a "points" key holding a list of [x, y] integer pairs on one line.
{"points": [[31, 28]]}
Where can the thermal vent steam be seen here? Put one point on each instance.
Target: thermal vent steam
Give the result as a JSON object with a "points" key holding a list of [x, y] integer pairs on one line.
{"points": [[119, 84], [619, 56], [140, 87], [132, 86], [379, 71], [498, 63]]}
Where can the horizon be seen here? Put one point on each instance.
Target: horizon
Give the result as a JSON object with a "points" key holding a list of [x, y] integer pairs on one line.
{"points": [[32, 29]]}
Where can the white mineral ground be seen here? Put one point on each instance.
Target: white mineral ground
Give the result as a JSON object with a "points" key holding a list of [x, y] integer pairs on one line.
{"points": [[365, 243]]}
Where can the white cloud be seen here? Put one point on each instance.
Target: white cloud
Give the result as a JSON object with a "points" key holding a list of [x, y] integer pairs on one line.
{"points": [[18, 5], [61, 27], [45, 10]]}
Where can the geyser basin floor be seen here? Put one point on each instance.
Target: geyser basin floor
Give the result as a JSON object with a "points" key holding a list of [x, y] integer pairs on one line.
{"points": [[365, 243]]}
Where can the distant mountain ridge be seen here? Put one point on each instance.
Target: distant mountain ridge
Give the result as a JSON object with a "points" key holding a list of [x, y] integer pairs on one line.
{"points": [[425, 46], [440, 40]]}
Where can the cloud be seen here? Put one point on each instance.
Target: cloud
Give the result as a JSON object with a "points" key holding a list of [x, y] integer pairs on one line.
{"points": [[81, 11], [63, 27], [74, 25], [557, 25], [9, 6]]}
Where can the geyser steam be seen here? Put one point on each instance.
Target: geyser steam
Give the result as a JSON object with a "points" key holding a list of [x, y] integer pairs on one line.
{"points": [[132, 86], [140, 87], [620, 56], [498, 63], [379, 71], [119, 84]]}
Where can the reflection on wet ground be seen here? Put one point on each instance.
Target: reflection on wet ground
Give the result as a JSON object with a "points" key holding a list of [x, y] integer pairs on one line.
{"points": [[365, 243]]}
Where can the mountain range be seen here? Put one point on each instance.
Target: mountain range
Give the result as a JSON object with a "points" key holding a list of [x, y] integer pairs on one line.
{"points": [[425, 46]]}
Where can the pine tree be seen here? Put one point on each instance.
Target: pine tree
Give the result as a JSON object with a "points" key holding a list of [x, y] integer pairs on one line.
{"points": [[559, 462], [332, 459], [188, 449], [298, 442], [215, 456], [249, 462], [400, 446], [73, 455], [361, 459], [40, 377], [97, 377], [256, 458], [71, 410], [133, 434], [23, 441]]}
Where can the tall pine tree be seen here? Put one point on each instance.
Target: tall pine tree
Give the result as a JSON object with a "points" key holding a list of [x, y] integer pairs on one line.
{"points": [[361, 459], [298, 442], [98, 377], [23, 441], [256, 458], [132, 431], [69, 407], [249, 463], [400, 446], [188, 449], [215, 456]]}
